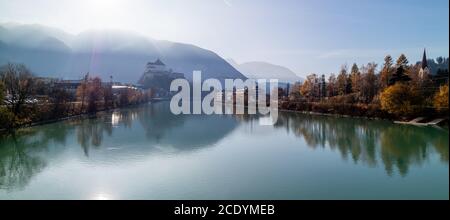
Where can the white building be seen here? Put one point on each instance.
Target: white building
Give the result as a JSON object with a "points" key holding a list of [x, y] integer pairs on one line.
{"points": [[158, 68]]}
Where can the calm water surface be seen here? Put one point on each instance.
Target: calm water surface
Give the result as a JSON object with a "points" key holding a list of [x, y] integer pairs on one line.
{"points": [[148, 153]]}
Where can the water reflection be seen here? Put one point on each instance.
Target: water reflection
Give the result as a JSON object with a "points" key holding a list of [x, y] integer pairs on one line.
{"points": [[370, 142], [20, 157], [152, 128]]}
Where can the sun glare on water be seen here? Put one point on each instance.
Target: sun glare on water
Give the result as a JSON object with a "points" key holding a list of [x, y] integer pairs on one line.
{"points": [[102, 196]]}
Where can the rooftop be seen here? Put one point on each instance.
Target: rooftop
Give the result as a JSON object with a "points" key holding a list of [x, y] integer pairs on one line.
{"points": [[157, 62]]}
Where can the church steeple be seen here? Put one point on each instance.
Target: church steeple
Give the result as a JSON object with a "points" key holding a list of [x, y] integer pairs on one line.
{"points": [[424, 60], [424, 70]]}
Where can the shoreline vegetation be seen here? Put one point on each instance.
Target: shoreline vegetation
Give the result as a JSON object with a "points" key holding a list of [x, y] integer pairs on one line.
{"points": [[27, 100], [398, 91]]}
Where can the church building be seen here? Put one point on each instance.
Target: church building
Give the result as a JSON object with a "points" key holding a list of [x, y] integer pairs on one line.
{"points": [[424, 69]]}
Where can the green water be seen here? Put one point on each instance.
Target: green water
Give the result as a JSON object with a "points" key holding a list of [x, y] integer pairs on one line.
{"points": [[148, 153]]}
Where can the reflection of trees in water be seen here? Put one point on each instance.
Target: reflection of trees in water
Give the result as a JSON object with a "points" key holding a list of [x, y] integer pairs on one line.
{"points": [[19, 153], [401, 146], [160, 126], [405, 145], [368, 142], [90, 133], [25, 154], [398, 146], [441, 145]]}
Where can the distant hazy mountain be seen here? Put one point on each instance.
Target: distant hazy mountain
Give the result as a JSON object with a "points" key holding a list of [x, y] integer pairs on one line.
{"points": [[52, 52], [263, 70]]}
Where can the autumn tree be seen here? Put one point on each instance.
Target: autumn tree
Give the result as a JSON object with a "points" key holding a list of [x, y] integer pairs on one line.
{"points": [[400, 100], [124, 97], [94, 93], [440, 101], [108, 96], [18, 82], [386, 72], [90, 90], [369, 83], [309, 88], [331, 86], [295, 94], [82, 91], [342, 81], [355, 78], [6, 117], [59, 97]]}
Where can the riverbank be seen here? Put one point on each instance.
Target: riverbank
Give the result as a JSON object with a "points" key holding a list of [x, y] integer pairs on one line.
{"points": [[364, 111], [281, 109], [356, 111], [84, 115], [122, 153]]}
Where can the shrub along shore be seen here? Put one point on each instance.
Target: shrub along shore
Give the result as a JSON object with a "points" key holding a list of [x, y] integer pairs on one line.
{"points": [[28, 100]]}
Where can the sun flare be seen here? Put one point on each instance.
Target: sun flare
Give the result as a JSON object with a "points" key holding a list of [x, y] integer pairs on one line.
{"points": [[103, 12]]}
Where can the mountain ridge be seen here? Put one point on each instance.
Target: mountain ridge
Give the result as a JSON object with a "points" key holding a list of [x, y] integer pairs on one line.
{"points": [[120, 54]]}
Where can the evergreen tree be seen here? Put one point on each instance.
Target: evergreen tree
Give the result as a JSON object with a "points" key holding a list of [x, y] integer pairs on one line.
{"points": [[386, 72], [441, 77], [440, 60], [400, 74], [323, 87], [402, 61]]}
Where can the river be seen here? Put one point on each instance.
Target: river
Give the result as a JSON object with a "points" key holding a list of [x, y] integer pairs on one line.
{"points": [[148, 153]]}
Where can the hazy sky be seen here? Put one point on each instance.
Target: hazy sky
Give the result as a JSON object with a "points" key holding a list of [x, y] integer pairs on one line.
{"points": [[304, 35]]}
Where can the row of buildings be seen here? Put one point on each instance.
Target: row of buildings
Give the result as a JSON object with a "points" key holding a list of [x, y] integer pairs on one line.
{"points": [[72, 85], [157, 77]]}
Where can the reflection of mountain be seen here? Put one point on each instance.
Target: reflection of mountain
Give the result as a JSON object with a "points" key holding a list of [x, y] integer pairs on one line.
{"points": [[370, 142], [183, 132], [51, 52], [137, 132], [158, 130]]}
